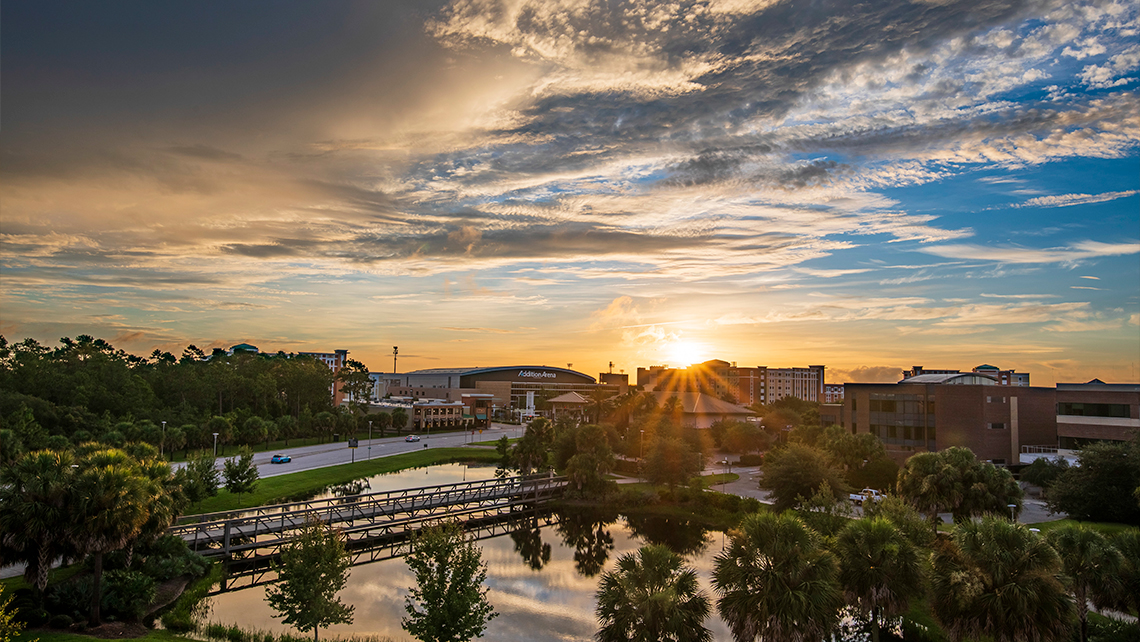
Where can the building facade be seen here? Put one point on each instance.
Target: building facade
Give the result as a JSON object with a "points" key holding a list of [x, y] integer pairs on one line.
{"points": [[335, 361], [931, 412], [1096, 411], [743, 385]]}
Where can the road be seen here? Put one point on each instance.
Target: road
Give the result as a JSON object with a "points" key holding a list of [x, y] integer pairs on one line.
{"points": [[335, 453]]}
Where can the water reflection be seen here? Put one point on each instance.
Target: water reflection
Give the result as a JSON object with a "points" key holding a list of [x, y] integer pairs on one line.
{"points": [[542, 579], [409, 478], [584, 530], [529, 545], [686, 537]]}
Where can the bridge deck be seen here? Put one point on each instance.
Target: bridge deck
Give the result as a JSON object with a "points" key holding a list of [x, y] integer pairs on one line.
{"points": [[369, 516]]}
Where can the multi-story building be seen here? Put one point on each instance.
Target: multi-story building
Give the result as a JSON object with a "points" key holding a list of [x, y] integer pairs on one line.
{"points": [[832, 393], [1002, 377], [743, 385], [1096, 411], [930, 412]]}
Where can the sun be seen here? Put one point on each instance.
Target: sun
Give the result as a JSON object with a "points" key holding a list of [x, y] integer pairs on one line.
{"points": [[685, 353]]}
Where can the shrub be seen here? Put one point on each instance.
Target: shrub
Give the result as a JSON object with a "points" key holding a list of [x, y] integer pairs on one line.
{"points": [[235, 634], [60, 621], [751, 459], [191, 605], [69, 598], [129, 594]]}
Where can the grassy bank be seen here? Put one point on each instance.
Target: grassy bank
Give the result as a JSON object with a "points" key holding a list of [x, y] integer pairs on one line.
{"points": [[152, 635], [280, 488]]}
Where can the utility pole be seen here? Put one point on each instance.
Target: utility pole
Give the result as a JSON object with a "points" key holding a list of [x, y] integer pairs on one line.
{"points": [[611, 367], [395, 351]]}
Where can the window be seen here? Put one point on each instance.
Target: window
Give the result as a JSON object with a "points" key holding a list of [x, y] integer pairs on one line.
{"points": [[997, 426], [1121, 410], [995, 399]]}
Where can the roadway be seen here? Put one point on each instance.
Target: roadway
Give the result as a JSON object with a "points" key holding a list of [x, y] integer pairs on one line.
{"points": [[336, 453]]}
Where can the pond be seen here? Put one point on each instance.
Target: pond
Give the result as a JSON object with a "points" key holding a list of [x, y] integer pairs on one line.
{"points": [[411, 478], [542, 579]]}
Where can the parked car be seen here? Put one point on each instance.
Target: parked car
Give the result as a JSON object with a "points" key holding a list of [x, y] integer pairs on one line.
{"points": [[866, 495], [281, 459], [412, 438]]}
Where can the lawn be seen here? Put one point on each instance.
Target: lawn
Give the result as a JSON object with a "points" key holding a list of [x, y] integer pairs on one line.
{"points": [[280, 488], [510, 440], [153, 635]]}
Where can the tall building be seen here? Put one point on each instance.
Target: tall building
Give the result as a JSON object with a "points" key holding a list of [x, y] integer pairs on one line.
{"points": [[743, 385], [1096, 411]]}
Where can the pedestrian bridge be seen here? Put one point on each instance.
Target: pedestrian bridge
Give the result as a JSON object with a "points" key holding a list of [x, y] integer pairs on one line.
{"points": [[364, 519]]}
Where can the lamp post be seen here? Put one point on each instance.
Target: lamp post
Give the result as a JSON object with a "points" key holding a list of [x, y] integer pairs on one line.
{"points": [[1012, 516], [369, 439], [215, 445], [162, 444], [724, 480]]}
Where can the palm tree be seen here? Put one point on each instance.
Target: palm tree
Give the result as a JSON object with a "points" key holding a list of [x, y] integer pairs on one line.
{"points": [[110, 511], [928, 484], [879, 569], [1091, 566], [35, 493], [650, 596], [1128, 543], [776, 582], [998, 578]]}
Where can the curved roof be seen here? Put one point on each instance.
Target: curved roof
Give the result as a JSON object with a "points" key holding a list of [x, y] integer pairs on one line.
{"points": [[961, 378], [479, 371]]}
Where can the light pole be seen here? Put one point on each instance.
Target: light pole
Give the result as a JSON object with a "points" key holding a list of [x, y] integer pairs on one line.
{"points": [[1012, 516], [724, 480], [215, 445], [370, 439], [162, 444], [641, 450]]}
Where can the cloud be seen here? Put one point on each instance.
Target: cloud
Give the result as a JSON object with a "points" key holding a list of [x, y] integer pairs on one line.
{"points": [[1080, 251], [865, 374], [1067, 200]]}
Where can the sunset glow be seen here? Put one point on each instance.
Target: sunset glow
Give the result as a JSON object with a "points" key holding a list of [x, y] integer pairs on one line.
{"points": [[867, 186]]}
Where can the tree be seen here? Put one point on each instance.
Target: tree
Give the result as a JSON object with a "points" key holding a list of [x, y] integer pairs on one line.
{"points": [[592, 461], [36, 493], [200, 477], [10, 626], [399, 419], [313, 568], [1099, 487], [239, 472], [998, 578], [672, 461], [1091, 566], [954, 480], [110, 511], [879, 568], [796, 472], [776, 582], [1128, 543], [448, 603], [651, 596], [532, 452], [356, 384]]}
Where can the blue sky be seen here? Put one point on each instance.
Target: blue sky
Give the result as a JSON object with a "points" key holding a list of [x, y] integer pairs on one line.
{"points": [[483, 182]]}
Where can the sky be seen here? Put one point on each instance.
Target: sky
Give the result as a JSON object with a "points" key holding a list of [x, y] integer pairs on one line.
{"points": [[552, 182]]}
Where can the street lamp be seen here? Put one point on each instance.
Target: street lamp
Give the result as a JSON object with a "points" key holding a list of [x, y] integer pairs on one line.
{"points": [[724, 480], [161, 444], [215, 445], [369, 439], [641, 452], [1012, 516]]}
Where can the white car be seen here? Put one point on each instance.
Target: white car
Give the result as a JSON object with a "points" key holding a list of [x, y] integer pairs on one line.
{"points": [[412, 438]]}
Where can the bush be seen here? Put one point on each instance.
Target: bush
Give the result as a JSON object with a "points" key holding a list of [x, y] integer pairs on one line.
{"points": [[751, 459], [60, 621], [70, 598], [169, 557], [33, 617], [129, 594]]}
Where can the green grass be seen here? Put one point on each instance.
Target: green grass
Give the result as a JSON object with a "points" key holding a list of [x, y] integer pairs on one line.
{"points": [[719, 478], [1105, 528], [153, 635], [510, 440], [55, 576], [276, 489]]}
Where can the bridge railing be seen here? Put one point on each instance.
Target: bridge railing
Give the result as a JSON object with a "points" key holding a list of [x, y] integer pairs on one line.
{"points": [[271, 525]]}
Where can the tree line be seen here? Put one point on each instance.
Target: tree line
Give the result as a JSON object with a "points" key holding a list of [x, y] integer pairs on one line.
{"points": [[86, 390]]}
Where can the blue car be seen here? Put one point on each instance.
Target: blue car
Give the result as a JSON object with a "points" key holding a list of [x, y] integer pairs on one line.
{"points": [[281, 459]]}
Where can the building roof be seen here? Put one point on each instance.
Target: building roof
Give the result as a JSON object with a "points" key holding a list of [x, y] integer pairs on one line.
{"points": [[962, 378], [1097, 384], [570, 397], [244, 346], [986, 366], [698, 403]]}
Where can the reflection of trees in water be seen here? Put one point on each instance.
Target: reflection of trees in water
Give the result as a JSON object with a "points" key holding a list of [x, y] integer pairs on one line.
{"points": [[348, 489], [685, 537], [529, 544], [584, 529]]}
